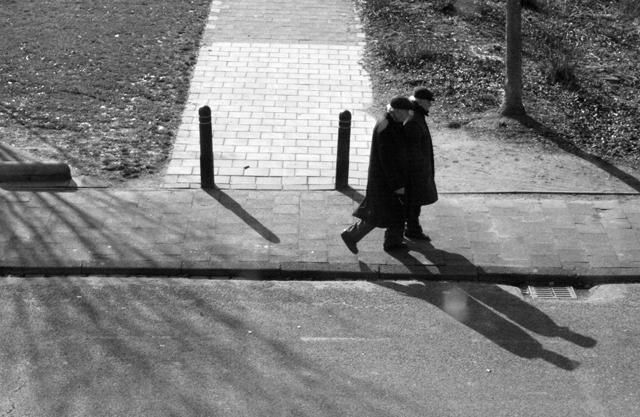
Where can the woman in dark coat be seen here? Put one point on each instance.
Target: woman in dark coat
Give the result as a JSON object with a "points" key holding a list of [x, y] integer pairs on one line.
{"points": [[383, 204], [421, 186]]}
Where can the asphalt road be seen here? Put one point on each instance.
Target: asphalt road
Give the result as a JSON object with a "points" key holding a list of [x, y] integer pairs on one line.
{"points": [[174, 347]]}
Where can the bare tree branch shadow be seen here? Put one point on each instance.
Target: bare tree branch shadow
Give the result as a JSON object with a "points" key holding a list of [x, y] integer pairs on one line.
{"points": [[66, 186], [474, 305], [230, 204], [569, 147], [53, 227], [161, 347], [37, 138], [9, 153]]}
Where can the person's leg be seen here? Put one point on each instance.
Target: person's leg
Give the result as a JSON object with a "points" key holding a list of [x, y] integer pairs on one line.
{"points": [[413, 229], [393, 237], [354, 233], [413, 219]]}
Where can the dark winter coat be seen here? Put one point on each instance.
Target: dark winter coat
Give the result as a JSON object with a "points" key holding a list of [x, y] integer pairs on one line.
{"points": [[421, 186], [387, 172]]}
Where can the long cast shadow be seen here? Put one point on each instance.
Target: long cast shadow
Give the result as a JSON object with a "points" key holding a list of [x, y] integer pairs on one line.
{"points": [[476, 308], [8, 153], [212, 343], [525, 315], [352, 193], [37, 240], [569, 147], [232, 205]]}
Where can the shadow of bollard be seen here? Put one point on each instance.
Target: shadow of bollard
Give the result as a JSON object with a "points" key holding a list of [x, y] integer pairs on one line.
{"points": [[230, 204]]}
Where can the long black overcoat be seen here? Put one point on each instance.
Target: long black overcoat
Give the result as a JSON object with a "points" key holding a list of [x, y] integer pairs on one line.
{"points": [[387, 173], [421, 185]]}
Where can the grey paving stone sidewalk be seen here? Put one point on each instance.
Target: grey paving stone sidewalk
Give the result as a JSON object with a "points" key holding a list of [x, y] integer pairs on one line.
{"points": [[284, 234]]}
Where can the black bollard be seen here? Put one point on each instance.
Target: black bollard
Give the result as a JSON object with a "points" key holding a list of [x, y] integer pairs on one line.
{"points": [[342, 163], [206, 148]]}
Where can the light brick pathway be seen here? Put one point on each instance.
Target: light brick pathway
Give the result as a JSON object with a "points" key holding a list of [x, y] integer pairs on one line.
{"points": [[276, 74]]}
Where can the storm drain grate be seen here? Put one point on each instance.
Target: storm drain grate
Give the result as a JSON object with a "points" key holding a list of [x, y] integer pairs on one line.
{"points": [[552, 292]]}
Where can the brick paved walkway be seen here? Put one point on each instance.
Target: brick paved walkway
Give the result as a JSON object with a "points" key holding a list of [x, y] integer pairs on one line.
{"points": [[276, 74]]}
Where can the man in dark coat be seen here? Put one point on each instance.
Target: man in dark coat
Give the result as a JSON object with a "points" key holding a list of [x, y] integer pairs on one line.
{"points": [[421, 186], [383, 205]]}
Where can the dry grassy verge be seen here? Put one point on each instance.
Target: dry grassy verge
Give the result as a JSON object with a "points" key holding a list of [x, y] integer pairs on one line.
{"points": [[98, 84]]}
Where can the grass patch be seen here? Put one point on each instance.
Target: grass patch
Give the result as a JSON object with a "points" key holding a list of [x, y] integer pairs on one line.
{"points": [[98, 84], [579, 64]]}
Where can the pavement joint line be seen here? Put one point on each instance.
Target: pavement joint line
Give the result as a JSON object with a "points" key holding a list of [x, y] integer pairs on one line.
{"points": [[9, 186], [578, 193], [451, 193]]}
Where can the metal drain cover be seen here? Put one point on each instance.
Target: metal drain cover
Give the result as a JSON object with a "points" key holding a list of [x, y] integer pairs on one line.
{"points": [[553, 293]]}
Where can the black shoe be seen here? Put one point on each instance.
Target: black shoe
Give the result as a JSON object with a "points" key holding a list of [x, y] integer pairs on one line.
{"points": [[351, 244], [417, 235], [390, 247]]}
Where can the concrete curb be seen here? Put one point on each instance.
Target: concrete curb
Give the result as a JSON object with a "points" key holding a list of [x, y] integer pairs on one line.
{"points": [[34, 171], [301, 271]]}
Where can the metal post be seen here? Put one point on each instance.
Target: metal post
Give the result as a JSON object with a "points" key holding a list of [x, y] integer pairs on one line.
{"points": [[206, 148], [342, 163]]}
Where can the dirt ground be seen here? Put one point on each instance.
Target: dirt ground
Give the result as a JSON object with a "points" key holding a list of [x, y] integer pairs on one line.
{"points": [[468, 160]]}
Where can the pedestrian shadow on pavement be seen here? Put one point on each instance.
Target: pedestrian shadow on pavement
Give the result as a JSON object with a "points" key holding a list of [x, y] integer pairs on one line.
{"points": [[487, 309], [230, 204], [569, 147]]}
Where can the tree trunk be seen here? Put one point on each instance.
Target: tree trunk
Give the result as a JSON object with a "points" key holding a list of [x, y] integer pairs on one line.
{"points": [[512, 104]]}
